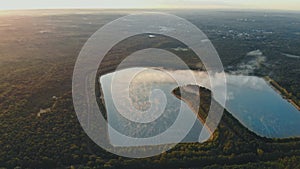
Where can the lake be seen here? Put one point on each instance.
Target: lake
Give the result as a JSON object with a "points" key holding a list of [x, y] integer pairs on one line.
{"points": [[249, 99], [260, 108]]}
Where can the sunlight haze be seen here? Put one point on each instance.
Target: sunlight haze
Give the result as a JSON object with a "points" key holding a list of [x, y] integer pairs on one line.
{"points": [[140, 4]]}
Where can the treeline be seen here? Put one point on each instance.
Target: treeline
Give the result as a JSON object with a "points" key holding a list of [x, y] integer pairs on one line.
{"points": [[56, 140]]}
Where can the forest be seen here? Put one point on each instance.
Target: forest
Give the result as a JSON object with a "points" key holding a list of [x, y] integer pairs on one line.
{"points": [[37, 58]]}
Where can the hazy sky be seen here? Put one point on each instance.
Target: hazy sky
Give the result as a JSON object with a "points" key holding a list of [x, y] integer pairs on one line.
{"points": [[235, 4]]}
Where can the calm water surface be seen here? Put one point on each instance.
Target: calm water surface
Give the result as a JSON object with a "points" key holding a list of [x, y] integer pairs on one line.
{"points": [[250, 99]]}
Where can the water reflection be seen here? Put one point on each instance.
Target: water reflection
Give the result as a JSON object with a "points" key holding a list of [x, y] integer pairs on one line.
{"points": [[250, 99], [147, 92]]}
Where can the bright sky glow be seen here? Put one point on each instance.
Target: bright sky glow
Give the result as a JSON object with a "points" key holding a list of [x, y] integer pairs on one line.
{"points": [[122, 4]]}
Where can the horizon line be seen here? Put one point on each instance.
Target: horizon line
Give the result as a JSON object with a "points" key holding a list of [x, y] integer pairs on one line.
{"points": [[151, 8]]}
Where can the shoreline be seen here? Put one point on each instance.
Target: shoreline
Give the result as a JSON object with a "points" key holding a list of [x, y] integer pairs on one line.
{"points": [[282, 91], [200, 117]]}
